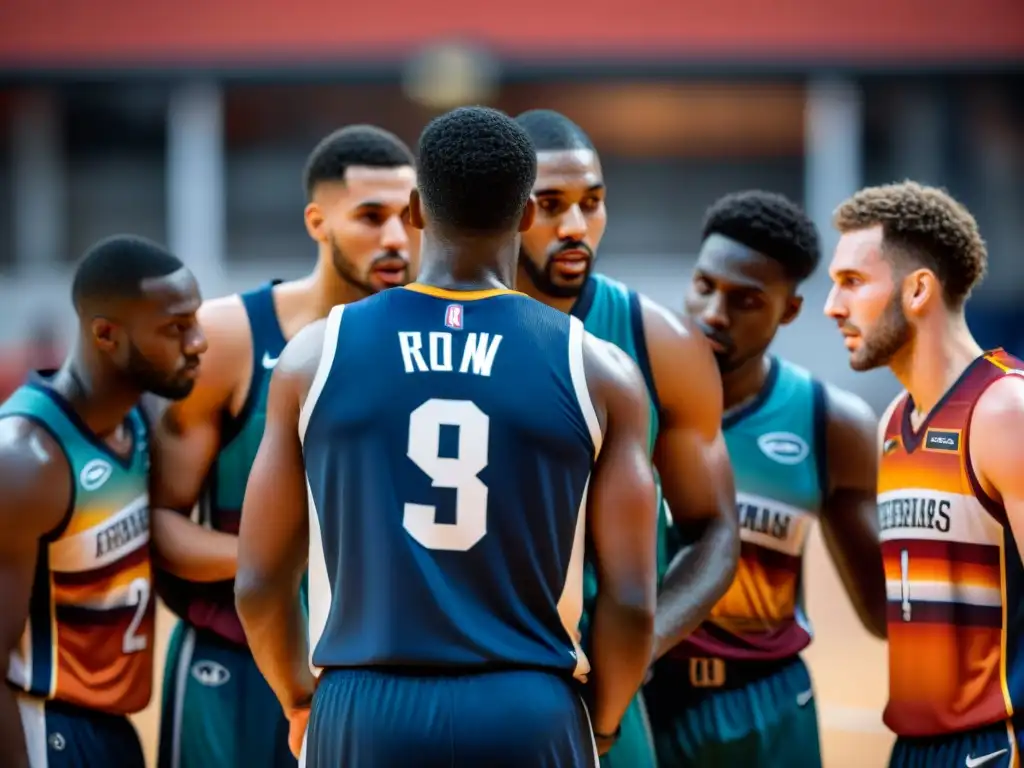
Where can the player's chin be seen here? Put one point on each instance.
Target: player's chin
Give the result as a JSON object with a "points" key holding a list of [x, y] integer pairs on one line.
{"points": [[176, 390]]}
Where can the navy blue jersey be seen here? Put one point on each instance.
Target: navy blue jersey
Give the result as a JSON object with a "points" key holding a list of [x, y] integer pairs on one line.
{"points": [[448, 440]]}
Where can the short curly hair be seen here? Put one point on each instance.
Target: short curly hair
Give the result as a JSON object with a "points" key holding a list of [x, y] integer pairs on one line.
{"points": [[925, 225], [359, 145], [476, 170], [770, 224], [552, 131]]}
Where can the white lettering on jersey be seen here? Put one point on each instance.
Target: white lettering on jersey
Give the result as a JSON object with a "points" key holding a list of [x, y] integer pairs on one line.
{"points": [[477, 358]]}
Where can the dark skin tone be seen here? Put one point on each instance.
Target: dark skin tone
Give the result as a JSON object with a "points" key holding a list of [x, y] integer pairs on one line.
{"points": [[740, 298], [621, 515], [690, 453], [364, 242], [98, 383]]}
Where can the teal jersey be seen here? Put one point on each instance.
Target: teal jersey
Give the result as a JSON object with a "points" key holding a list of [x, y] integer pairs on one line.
{"points": [[212, 606], [89, 636], [611, 312], [777, 449]]}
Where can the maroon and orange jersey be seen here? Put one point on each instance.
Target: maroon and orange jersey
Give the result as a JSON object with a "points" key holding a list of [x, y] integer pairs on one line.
{"points": [[88, 640], [954, 577]]}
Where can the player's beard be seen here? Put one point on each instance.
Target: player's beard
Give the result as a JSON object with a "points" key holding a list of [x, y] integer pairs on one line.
{"points": [[145, 377], [543, 277], [891, 334], [348, 272]]}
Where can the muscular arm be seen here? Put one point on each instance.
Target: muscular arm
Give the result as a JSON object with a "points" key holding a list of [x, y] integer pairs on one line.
{"points": [[186, 438], [996, 449], [849, 519], [273, 541], [622, 519], [36, 484], [696, 476]]}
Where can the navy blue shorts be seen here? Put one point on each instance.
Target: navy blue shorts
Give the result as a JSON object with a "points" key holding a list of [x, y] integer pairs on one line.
{"points": [[373, 719], [995, 746], [59, 735]]}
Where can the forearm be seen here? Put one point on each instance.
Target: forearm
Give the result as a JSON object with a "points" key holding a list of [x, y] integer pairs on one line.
{"points": [[696, 579], [190, 551], [13, 753], [622, 639], [275, 628], [860, 567]]}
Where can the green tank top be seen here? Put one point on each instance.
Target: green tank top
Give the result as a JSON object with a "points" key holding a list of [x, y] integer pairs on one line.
{"points": [[611, 312], [212, 606], [93, 575], [777, 450]]}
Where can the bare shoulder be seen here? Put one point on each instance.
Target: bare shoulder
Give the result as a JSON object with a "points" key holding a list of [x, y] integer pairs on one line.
{"points": [[848, 414], [1000, 408], [686, 375], [613, 378], [851, 433], [301, 355], [35, 476]]}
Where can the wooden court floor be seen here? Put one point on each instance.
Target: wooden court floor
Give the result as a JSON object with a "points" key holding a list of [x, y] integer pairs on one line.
{"points": [[849, 668]]}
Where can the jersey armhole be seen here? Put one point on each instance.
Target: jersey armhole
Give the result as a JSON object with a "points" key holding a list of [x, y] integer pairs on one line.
{"points": [[819, 416], [323, 370], [58, 530], [993, 507], [578, 371]]}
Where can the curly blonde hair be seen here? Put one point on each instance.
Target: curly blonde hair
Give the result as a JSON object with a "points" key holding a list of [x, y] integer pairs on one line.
{"points": [[926, 225]]}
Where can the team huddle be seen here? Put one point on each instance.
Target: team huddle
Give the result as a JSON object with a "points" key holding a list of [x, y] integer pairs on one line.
{"points": [[456, 499]]}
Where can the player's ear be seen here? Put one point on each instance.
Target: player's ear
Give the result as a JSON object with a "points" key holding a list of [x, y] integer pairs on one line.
{"points": [[415, 209], [104, 334], [793, 306], [314, 217], [919, 288], [529, 213]]}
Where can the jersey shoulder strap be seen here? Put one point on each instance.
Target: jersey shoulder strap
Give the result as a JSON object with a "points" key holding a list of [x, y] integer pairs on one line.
{"points": [[613, 312], [323, 370]]}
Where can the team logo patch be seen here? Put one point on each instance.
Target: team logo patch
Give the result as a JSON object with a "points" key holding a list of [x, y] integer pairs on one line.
{"points": [[453, 316], [783, 447], [210, 673], [942, 440], [95, 474]]}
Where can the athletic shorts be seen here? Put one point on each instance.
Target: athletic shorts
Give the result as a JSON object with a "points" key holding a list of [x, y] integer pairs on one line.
{"points": [[997, 746], [59, 735], [367, 718], [217, 710], [709, 713]]}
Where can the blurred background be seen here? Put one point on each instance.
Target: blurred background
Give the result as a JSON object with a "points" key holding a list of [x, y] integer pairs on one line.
{"points": [[188, 122]]}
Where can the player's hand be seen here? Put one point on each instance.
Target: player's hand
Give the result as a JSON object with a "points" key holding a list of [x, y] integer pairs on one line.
{"points": [[298, 721]]}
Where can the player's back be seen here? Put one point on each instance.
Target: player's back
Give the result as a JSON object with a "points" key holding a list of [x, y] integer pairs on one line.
{"points": [[448, 439]]}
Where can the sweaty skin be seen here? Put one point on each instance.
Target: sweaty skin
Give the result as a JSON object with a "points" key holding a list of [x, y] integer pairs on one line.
{"points": [[36, 479], [849, 518], [696, 476], [622, 519]]}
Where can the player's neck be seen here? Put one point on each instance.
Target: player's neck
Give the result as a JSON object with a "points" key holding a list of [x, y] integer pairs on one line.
{"points": [[745, 383], [525, 285], [934, 360], [94, 391], [325, 289], [458, 266]]}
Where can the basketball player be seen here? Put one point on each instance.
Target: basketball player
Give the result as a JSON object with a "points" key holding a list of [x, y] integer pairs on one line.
{"points": [[951, 489], [683, 384], [736, 691], [217, 709], [448, 435], [75, 582]]}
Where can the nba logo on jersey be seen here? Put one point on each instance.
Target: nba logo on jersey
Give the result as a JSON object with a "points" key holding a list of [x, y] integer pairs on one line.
{"points": [[453, 316]]}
